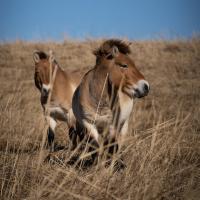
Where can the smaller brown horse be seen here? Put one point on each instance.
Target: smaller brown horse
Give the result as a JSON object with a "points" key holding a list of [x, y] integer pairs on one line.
{"points": [[60, 105], [104, 98]]}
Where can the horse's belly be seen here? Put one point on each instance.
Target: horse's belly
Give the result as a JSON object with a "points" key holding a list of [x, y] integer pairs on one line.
{"points": [[58, 113]]}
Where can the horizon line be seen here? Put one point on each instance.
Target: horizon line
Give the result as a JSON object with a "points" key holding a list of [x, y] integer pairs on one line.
{"points": [[157, 37]]}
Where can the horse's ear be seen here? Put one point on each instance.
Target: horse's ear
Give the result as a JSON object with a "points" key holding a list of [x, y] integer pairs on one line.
{"points": [[115, 51], [51, 56], [36, 57]]}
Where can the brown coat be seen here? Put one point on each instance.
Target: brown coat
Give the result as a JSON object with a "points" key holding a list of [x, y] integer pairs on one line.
{"points": [[103, 101]]}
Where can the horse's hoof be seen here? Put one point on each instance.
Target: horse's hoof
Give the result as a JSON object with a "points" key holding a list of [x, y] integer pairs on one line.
{"points": [[119, 165]]}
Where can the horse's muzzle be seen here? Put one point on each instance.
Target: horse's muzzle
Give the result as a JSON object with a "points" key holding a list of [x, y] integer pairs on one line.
{"points": [[44, 96], [142, 89]]}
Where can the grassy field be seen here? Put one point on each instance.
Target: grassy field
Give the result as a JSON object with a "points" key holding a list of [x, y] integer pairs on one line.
{"points": [[162, 150]]}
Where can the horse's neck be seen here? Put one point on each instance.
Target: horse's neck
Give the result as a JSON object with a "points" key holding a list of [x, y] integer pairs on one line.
{"points": [[102, 89], [98, 87], [113, 95], [61, 81], [57, 72]]}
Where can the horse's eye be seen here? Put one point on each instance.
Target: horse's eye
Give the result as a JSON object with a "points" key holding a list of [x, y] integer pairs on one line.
{"points": [[123, 65]]}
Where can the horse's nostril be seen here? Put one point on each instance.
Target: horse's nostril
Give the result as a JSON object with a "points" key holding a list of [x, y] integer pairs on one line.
{"points": [[146, 88], [45, 92]]}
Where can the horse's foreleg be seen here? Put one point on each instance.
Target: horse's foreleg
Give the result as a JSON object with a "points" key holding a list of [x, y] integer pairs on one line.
{"points": [[51, 133], [91, 130], [113, 145], [94, 139]]}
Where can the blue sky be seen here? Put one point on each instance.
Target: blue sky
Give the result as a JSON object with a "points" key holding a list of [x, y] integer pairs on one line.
{"points": [[80, 19]]}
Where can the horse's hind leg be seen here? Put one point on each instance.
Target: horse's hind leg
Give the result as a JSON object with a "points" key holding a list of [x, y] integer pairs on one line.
{"points": [[93, 146], [73, 137], [51, 133], [76, 135]]}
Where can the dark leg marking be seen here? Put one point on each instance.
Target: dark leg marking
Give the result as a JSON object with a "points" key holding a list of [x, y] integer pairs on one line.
{"points": [[50, 135], [73, 137], [113, 149], [93, 146]]}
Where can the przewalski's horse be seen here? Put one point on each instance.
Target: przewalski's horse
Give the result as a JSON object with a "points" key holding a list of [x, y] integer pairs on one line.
{"points": [[60, 103], [104, 98]]}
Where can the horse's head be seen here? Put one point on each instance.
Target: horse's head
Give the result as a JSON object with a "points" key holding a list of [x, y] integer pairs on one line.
{"points": [[42, 70], [114, 55]]}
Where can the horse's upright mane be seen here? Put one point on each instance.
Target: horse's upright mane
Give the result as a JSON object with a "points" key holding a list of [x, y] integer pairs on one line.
{"points": [[42, 55], [106, 47]]}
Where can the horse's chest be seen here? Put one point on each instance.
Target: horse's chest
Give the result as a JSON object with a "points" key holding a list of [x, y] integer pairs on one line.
{"points": [[125, 110], [126, 106]]}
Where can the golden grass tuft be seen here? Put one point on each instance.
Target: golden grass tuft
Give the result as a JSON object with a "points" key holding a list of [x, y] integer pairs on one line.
{"points": [[162, 149]]}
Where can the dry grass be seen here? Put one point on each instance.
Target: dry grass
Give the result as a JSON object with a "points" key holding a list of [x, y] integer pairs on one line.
{"points": [[162, 151]]}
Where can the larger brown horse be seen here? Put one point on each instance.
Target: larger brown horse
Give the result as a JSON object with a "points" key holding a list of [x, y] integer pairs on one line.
{"points": [[60, 104], [104, 98]]}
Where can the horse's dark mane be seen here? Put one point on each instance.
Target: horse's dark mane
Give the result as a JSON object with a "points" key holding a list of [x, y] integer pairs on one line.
{"points": [[42, 55], [106, 47]]}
